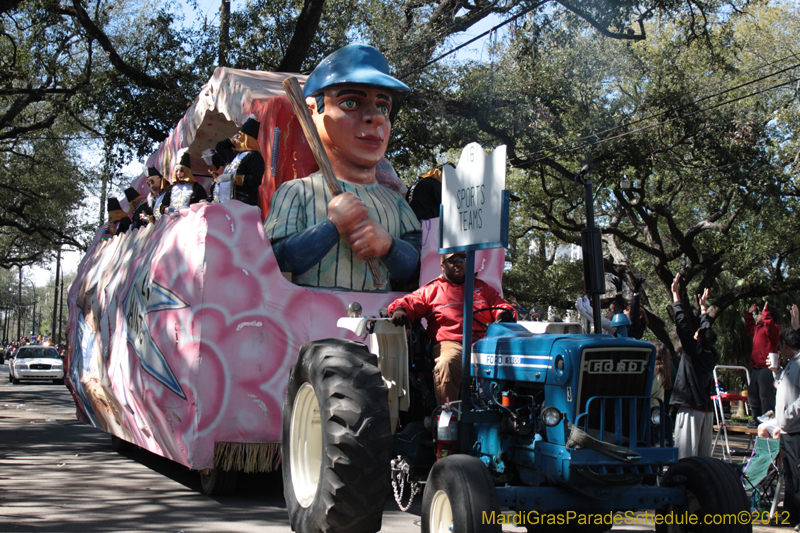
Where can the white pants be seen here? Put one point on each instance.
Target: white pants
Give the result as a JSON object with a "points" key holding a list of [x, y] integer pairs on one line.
{"points": [[693, 431]]}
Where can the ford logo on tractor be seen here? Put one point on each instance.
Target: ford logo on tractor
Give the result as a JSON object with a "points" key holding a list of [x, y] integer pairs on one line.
{"points": [[609, 366]]}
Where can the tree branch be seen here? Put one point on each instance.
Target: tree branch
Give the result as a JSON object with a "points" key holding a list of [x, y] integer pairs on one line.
{"points": [[602, 29], [304, 31], [135, 75]]}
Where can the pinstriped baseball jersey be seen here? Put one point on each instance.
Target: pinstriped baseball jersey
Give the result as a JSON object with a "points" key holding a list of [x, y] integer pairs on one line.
{"points": [[302, 203]]}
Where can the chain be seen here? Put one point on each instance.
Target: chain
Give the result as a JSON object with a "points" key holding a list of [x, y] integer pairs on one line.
{"points": [[402, 469]]}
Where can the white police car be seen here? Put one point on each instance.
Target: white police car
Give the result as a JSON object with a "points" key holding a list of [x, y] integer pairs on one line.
{"points": [[36, 362]]}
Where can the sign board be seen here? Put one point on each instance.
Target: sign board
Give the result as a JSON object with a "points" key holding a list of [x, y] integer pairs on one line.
{"points": [[474, 201]]}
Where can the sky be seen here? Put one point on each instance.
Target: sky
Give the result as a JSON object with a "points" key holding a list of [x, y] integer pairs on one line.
{"points": [[210, 8]]}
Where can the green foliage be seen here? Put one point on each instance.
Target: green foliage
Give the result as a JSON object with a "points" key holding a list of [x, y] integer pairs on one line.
{"points": [[712, 191], [537, 280], [131, 116], [41, 182], [261, 32]]}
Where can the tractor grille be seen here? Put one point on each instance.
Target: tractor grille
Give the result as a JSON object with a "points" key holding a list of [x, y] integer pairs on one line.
{"points": [[616, 375], [39, 367]]}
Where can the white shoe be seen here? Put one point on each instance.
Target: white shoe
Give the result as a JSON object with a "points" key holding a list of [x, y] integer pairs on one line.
{"points": [[766, 417]]}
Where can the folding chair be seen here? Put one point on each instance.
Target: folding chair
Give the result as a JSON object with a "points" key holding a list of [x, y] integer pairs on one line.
{"points": [[719, 414], [762, 477]]}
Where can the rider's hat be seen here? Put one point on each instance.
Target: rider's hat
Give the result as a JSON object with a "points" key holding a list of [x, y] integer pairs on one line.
{"points": [[250, 127]]}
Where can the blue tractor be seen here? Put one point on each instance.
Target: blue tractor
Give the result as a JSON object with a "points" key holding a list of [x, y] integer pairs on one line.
{"points": [[556, 432]]}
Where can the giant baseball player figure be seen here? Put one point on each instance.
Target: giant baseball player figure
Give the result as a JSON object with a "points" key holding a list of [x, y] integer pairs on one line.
{"points": [[324, 241]]}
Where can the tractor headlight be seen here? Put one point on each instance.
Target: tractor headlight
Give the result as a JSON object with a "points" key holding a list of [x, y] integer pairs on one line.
{"points": [[551, 416], [655, 416]]}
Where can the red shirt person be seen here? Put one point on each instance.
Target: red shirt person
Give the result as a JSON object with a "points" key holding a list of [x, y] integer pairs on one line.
{"points": [[765, 332], [441, 303]]}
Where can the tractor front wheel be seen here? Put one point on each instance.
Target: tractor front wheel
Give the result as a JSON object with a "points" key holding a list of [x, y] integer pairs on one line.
{"points": [[337, 439], [460, 496], [714, 496]]}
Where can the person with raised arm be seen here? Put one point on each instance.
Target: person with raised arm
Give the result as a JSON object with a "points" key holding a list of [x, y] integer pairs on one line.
{"points": [[691, 393], [765, 331]]}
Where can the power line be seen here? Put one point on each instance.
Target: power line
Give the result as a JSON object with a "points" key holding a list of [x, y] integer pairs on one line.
{"points": [[656, 115], [617, 128], [620, 135], [459, 47]]}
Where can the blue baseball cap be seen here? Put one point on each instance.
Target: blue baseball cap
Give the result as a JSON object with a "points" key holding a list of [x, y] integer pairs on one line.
{"points": [[353, 64]]}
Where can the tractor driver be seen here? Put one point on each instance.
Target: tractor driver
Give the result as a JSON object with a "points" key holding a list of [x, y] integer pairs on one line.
{"points": [[441, 303], [324, 241]]}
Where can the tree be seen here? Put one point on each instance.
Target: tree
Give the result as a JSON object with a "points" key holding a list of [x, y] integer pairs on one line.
{"points": [[41, 182], [73, 76], [713, 188], [544, 275]]}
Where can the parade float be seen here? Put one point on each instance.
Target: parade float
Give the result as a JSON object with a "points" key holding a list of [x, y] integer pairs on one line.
{"points": [[182, 333]]}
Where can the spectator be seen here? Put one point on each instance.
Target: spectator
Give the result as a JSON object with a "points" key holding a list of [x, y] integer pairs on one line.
{"points": [[694, 422], [441, 303], [324, 241], [522, 313], [244, 165], [537, 314], [637, 314], [788, 423], [585, 309], [662, 382], [765, 331], [795, 317], [184, 190]]}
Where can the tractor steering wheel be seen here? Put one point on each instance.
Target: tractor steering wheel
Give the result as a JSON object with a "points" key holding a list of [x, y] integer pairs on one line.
{"points": [[486, 326]]}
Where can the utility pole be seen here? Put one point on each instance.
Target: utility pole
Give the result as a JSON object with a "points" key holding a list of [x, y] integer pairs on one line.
{"points": [[224, 32], [53, 327], [61, 308], [33, 315], [105, 186], [19, 306], [40, 313]]}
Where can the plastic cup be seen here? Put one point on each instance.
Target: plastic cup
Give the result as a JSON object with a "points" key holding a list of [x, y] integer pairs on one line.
{"points": [[773, 360]]}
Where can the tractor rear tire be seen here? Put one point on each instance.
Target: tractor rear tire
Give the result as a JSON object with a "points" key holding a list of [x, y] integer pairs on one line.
{"points": [[712, 490], [458, 496], [336, 444]]}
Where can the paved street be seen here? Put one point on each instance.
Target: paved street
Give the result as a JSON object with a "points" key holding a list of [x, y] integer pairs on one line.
{"points": [[57, 475]]}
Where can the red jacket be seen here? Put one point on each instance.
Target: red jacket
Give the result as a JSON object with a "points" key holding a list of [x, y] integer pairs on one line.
{"points": [[441, 303], [765, 338]]}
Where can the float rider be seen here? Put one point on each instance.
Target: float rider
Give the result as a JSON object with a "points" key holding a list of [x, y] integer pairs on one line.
{"points": [[242, 165]]}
